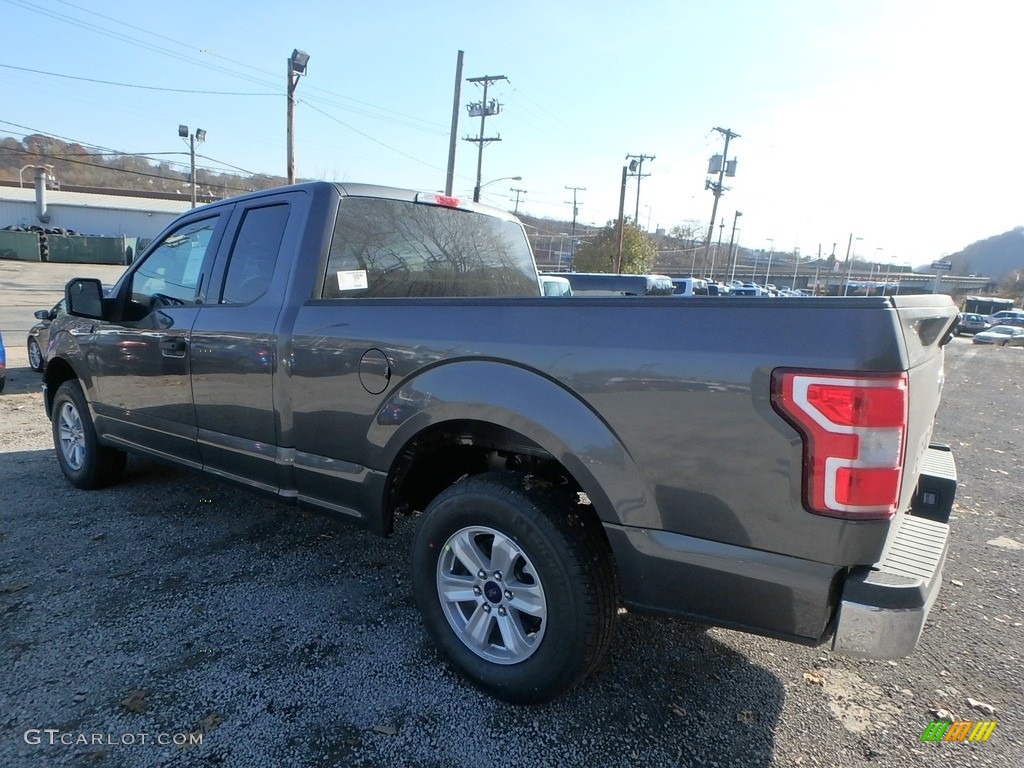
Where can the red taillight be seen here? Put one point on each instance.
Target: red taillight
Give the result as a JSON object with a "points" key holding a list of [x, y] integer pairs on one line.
{"points": [[854, 430]]}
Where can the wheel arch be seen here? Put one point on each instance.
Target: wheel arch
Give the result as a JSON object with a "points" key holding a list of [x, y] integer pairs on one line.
{"points": [[459, 418], [56, 372]]}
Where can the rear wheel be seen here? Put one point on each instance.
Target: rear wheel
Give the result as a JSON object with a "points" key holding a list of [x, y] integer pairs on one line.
{"points": [[35, 355], [84, 462], [515, 585]]}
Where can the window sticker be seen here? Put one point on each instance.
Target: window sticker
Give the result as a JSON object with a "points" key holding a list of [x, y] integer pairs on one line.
{"points": [[352, 280]]}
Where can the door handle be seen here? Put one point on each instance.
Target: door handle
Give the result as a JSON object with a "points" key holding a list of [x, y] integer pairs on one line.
{"points": [[173, 347]]}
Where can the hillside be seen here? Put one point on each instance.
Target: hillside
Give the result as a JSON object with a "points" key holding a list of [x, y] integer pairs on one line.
{"points": [[73, 165], [999, 256]]}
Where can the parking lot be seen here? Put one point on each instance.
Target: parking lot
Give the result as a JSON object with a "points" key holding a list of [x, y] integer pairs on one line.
{"points": [[174, 621]]}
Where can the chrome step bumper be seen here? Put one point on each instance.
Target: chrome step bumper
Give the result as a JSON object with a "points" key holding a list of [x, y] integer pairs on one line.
{"points": [[884, 607]]}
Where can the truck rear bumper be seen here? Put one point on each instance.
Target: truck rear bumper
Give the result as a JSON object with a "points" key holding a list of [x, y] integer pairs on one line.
{"points": [[884, 607]]}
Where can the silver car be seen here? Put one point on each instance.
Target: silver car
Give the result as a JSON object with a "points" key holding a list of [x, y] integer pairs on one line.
{"points": [[1002, 335], [971, 322], [39, 335]]}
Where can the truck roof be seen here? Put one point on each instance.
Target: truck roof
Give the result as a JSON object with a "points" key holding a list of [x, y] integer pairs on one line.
{"points": [[364, 190]]}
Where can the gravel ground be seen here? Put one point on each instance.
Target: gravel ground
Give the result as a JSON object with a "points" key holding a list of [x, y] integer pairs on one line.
{"points": [[172, 606]]}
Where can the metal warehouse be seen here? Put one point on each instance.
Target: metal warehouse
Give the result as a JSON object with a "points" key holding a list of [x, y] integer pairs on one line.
{"points": [[87, 213]]}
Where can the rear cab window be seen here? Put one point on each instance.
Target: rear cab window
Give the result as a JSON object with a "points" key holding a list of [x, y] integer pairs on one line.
{"points": [[393, 249]]}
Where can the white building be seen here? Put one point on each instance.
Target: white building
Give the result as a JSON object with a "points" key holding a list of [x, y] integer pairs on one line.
{"points": [[88, 213]]}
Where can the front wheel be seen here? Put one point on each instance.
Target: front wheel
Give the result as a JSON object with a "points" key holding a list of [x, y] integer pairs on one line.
{"points": [[35, 355], [515, 585], [85, 463]]}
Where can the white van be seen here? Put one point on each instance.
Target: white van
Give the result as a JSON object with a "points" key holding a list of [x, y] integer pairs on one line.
{"points": [[555, 286], [689, 286]]}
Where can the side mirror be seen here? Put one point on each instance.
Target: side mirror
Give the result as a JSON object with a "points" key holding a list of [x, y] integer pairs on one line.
{"points": [[42, 314], [84, 297]]}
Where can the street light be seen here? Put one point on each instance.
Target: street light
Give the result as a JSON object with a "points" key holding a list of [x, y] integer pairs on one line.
{"points": [[199, 135], [771, 252], [851, 252], [476, 197], [297, 64], [501, 178], [732, 238]]}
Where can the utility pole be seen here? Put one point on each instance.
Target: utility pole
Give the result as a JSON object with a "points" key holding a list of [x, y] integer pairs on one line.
{"points": [[518, 192], [450, 180], [297, 65], [636, 164], [721, 165], [199, 135], [622, 213], [483, 109], [575, 212]]}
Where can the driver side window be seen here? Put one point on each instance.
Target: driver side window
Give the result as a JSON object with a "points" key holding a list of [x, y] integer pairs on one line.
{"points": [[170, 275]]}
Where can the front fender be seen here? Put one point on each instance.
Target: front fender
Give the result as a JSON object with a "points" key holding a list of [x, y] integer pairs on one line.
{"points": [[528, 403], [66, 359]]}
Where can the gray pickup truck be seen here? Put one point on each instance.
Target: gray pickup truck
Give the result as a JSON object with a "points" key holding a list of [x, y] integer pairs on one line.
{"points": [[370, 352]]}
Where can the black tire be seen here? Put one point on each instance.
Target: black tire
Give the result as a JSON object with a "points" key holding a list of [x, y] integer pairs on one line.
{"points": [[85, 463], [35, 355], [560, 562]]}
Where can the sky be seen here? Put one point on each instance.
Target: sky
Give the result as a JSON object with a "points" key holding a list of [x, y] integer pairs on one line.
{"points": [[894, 126]]}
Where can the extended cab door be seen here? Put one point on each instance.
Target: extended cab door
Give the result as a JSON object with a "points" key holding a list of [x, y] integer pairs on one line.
{"points": [[236, 353], [140, 360]]}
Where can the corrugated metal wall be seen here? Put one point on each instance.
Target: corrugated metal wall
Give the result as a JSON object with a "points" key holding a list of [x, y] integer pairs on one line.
{"points": [[87, 220]]}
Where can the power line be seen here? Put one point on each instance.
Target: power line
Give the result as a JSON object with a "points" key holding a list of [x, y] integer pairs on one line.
{"points": [[367, 136], [115, 170], [133, 85], [106, 151], [435, 128]]}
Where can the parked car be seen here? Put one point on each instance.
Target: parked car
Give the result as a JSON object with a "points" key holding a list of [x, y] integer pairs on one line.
{"points": [[689, 286], [605, 284], [555, 286], [746, 289], [1004, 314], [717, 289], [1003, 335], [39, 335], [3, 363], [970, 322]]}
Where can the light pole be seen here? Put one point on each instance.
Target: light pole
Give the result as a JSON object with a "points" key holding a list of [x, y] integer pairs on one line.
{"points": [[871, 278], [796, 265], [732, 239], [199, 135], [771, 252], [297, 64], [851, 253], [721, 229]]}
